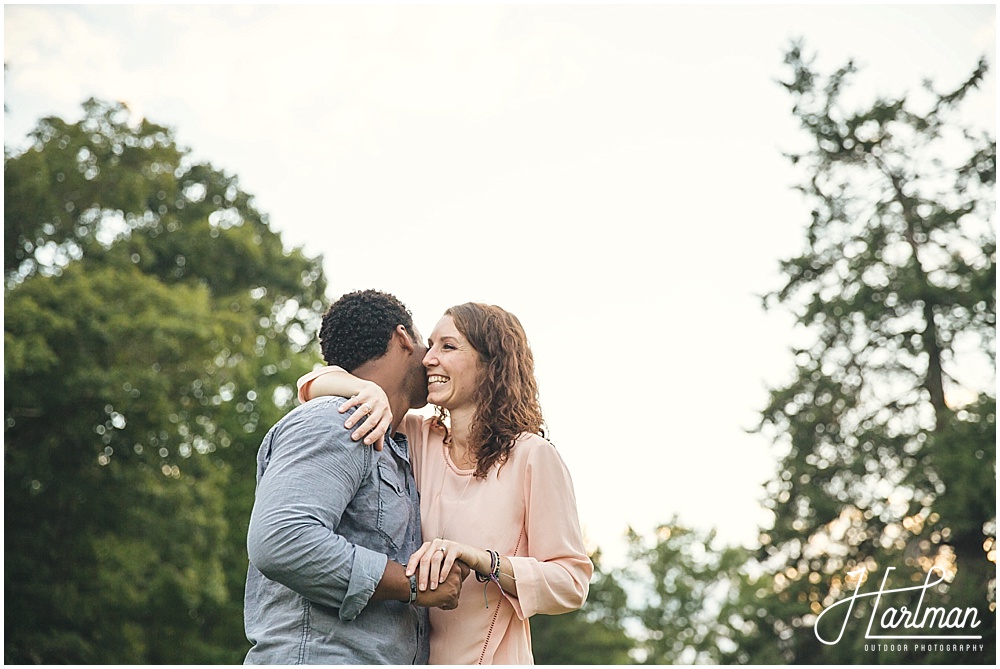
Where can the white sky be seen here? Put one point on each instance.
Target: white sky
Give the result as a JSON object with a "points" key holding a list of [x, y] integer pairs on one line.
{"points": [[610, 174]]}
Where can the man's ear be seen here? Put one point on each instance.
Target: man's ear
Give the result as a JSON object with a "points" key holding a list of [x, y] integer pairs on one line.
{"points": [[402, 335]]}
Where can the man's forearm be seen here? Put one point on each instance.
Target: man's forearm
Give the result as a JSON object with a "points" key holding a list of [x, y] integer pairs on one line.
{"points": [[395, 584]]}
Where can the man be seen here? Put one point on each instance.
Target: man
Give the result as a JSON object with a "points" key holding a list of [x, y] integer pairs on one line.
{"points": [[335, 521]]}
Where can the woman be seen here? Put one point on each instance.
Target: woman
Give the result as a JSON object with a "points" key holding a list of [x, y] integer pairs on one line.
{"points": [[493, 492]]}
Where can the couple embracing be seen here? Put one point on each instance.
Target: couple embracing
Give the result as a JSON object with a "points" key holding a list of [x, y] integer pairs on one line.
{"points": [[369, 522]]}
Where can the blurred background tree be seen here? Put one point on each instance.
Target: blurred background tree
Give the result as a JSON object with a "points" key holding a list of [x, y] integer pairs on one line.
{"points": [[888, 427], [154, 327], [683, 580], [665, 606]]}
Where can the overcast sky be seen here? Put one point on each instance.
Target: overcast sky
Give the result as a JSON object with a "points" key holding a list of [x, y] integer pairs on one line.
{"points": [[610, 174]]}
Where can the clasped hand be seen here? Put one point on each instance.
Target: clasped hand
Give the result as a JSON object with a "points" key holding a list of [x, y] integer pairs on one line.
{"points": [[446, 592], [435, 561]]}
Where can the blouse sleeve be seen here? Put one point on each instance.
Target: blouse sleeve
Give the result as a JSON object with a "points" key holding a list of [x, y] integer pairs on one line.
{"points": [[306, 379], [555, 575]]}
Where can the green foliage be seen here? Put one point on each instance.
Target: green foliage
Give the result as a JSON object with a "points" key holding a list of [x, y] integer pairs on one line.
{"points": [[154, 326], [669, 605], [685, 580], [889, 449], [593, 634]]}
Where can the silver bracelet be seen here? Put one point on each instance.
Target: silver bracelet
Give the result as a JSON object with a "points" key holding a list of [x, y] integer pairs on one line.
{"points": [[413, 588]]}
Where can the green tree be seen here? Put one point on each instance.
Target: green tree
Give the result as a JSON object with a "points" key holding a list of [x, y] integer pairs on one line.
{"points": [[154, 326], [668, 605], [593, 634], [685, 580], [888, 438]]}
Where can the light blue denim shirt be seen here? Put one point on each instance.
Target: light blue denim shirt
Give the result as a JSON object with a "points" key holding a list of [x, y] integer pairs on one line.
{"points": [[329, 512]]}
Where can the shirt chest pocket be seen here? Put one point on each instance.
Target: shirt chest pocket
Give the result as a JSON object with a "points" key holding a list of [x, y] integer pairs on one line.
{"points": [[393, 506]]}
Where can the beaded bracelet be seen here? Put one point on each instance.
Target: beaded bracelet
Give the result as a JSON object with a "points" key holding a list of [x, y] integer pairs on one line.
{"points": [[493, 575], [495, 571]]}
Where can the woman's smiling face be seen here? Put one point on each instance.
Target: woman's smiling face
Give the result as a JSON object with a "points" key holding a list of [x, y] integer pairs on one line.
{"points": [[453, 368]]}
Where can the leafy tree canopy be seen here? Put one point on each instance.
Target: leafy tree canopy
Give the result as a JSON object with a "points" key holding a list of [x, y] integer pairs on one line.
{"points": [[154, 326]]}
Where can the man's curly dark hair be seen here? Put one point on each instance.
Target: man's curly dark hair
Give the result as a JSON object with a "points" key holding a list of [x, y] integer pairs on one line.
{"points": [[358, 327]]}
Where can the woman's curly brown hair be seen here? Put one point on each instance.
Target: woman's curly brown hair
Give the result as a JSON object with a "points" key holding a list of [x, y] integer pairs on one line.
{"points": [[507, 397]]}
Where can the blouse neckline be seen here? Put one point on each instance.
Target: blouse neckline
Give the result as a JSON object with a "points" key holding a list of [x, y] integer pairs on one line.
{"points": [[451, 465]]}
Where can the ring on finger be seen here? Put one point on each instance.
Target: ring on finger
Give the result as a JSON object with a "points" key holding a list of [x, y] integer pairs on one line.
{"points": [[365, 406]]}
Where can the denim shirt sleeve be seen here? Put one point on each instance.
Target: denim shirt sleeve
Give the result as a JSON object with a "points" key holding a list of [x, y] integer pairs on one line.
{"points": [[311, 473]]}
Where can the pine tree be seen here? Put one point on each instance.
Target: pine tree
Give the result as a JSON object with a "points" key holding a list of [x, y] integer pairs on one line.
{"points": [[888, 428]]}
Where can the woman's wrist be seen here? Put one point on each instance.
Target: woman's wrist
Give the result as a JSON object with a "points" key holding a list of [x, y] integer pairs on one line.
{"points": [[477, 559], [483, 566]]}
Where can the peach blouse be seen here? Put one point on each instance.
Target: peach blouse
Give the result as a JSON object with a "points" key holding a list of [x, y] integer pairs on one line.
{"points": [[527, 512]]}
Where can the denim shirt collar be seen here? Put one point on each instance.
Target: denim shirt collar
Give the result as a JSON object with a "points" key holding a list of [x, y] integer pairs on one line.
{"points": [[399, 445]]}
